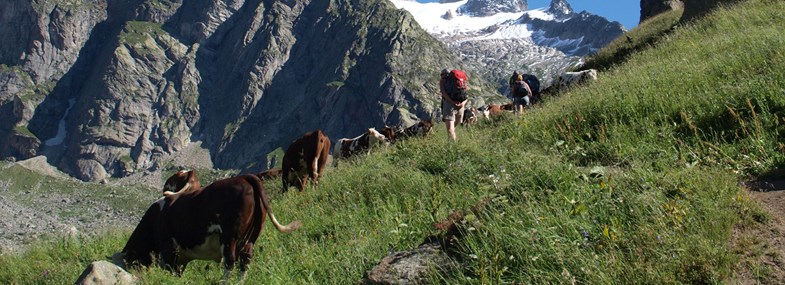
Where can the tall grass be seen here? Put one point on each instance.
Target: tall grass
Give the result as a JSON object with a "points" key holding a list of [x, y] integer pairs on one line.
{"points": [[632, 179]]}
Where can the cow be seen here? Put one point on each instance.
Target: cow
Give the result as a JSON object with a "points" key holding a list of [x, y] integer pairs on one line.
{"points": [[489, 111], [391, 133], [305, 158], [470, 116], [508, 107], [569, 79], [219, 222], [269, 174], [346, 147], [421, 128], [181, 182]]}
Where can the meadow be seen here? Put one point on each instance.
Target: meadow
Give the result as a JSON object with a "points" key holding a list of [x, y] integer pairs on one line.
{"points": [[632, 179]]}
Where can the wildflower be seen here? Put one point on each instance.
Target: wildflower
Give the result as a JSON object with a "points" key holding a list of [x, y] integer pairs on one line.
{"points": [[473, 256], [585, 234]]}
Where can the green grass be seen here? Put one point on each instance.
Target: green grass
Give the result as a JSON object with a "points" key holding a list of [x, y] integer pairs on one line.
{"points": [[632, 179]]}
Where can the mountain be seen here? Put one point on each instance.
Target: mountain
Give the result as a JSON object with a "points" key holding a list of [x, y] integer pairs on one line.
{"points": [[107, 88], [498, 36]]}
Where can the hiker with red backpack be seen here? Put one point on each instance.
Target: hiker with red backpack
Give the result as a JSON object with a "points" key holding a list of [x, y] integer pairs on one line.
{"points": [[452, 87]]}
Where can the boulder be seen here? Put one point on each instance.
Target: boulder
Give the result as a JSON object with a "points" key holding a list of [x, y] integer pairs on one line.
{"points": [[410, 267], [104, 272]]}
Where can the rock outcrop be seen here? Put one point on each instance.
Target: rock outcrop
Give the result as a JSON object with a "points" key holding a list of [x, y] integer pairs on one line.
{"points": [[484, 8], [105, 273], [651, 8]]}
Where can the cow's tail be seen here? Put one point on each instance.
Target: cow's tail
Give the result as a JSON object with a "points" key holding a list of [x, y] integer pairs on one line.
{"points": [[261, 195]]}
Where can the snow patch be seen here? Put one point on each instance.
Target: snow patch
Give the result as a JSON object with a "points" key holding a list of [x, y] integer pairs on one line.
{"points": [[61, 132]]}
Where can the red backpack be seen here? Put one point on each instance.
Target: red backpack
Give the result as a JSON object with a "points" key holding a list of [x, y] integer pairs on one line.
{"points": [[456, 85]]}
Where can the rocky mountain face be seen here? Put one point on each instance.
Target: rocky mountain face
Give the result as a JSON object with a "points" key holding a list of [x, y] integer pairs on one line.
{"points": [[484, 8], [110, 87], [578, 34], [650, 8]]}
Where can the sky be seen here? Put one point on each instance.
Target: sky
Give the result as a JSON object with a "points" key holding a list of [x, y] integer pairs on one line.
{"points": [[626, 12]]}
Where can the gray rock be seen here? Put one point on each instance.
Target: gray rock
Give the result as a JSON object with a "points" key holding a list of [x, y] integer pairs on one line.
{"points": [[104, 273], [410, 267]]}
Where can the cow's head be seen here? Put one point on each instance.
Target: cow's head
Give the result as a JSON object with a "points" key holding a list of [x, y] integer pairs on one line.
{"points": [[375, 137], [425, 127], [183, 180], [390, 133]]}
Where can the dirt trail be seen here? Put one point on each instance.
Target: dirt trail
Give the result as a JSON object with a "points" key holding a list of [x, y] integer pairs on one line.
{"points": [[763, 244]]}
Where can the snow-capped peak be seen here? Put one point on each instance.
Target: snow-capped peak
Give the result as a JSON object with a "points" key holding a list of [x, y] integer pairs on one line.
{"points": [[560, 8]]}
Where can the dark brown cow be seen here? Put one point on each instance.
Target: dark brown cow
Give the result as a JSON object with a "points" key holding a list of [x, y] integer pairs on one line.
{"points": [[508, 107], [470, 116], [391, 133], [220, 221], [305, 158], [422, 128], [345, 147], [269, 174]]}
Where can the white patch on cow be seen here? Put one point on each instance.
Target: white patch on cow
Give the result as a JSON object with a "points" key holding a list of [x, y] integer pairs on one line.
{"points": [[211, 249], [375, 137], [569, 79], [160, 203], [337, 148]]}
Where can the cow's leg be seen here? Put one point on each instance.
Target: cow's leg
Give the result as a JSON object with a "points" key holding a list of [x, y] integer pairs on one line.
{"points": [[303, 181], [246, 255], [230, 256]]}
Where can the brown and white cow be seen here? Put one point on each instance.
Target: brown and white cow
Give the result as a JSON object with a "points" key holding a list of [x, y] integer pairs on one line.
{"points": [[346, 147], [569, 79], [489, 111], [305, 158], [470, 116], [421, 128], [220, 221]]}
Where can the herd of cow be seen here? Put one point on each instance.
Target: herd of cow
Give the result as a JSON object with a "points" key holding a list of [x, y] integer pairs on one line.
{"points": [[223, 220]]}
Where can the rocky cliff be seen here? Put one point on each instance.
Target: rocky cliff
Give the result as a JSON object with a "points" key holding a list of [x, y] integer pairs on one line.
{"points": [[650, 8], [109, 87], [483, 8]]}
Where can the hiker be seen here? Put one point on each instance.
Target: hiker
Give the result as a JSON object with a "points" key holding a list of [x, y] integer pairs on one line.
{"points": [[452, 110], [521, 94], [515, 77]]}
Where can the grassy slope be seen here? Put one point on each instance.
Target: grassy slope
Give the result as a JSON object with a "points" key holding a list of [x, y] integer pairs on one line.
{"points": [[671, 131]]}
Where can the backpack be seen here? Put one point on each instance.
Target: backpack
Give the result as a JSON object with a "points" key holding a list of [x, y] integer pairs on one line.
{"points": [[455, 85], [518, 90], [534, 83]]}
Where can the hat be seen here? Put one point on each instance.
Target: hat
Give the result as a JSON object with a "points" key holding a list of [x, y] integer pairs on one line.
{"points": [[445, 72]]}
